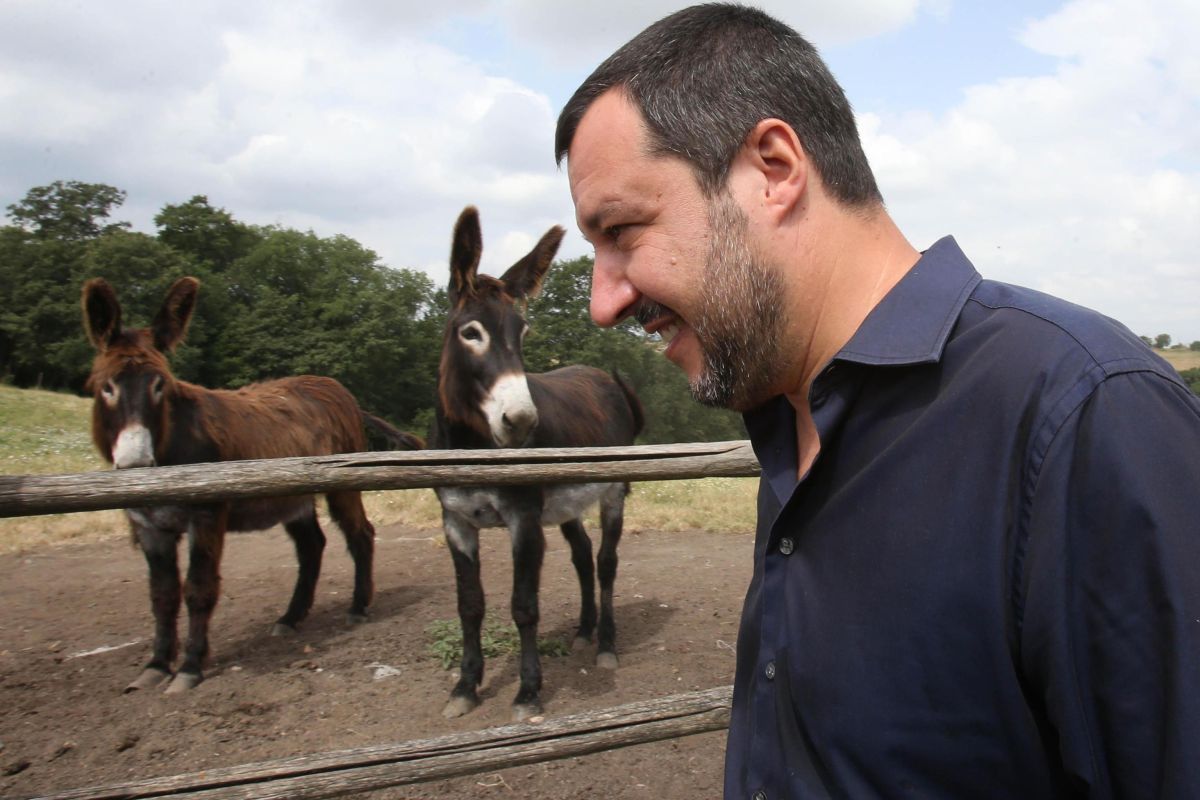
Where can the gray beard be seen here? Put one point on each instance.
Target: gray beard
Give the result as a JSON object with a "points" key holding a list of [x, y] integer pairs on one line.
{"points": [[740, 321]]}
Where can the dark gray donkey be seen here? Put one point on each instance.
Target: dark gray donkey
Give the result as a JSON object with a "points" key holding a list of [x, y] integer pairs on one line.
{"points": [[487, 400]]}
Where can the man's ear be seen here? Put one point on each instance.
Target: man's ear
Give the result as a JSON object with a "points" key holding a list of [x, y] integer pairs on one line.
{"points": [[779, 165]]}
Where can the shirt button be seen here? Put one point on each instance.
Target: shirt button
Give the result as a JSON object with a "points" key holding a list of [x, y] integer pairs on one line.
{"points": [[786, 546], [770, 671], [760, 795]]}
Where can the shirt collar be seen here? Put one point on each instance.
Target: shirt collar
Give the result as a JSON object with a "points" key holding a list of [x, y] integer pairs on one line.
{"points": [[912, 323], [909, 326]]}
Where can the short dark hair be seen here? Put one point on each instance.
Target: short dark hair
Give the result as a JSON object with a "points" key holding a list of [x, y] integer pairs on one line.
{"points": [[703, 78]]}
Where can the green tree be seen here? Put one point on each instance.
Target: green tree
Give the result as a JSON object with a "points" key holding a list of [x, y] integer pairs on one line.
{"points": [[68, 211], [1194, 345], [300, 304], [1192, 378], [211, 235], [39, 310], [41, 338], [42, 257], [1162, 341], [141, 269]]}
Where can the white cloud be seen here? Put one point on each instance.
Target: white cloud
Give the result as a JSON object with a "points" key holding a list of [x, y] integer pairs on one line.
{"points": [[290, 116], [1077, 183], [587, 32]]}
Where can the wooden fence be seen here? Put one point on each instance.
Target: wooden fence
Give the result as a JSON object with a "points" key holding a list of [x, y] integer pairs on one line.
{"points": [[25, 495], [346, 772]]}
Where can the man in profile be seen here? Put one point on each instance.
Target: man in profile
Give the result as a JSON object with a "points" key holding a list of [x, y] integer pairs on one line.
{"points": [[977, 567]]}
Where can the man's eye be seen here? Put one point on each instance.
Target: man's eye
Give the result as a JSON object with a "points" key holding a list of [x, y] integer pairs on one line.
{"points": [[613, 232]]}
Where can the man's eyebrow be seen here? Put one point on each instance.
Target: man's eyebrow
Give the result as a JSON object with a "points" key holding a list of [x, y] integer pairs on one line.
{"points": [[594, 221], [597, 220]]}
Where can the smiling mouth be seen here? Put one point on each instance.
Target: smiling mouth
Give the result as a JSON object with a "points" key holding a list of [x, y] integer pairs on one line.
{"points": [[657, 319], [667, 331]]}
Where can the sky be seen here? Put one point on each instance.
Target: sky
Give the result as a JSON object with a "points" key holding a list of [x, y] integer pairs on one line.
{"points": [[1058, 142]]}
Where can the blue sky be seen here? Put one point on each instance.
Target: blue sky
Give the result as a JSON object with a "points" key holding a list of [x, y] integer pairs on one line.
{"points": [[1058, 142]]}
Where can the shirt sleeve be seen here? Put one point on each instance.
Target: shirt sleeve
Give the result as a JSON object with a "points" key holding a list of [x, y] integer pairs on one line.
{"points": [[1108, 590]]}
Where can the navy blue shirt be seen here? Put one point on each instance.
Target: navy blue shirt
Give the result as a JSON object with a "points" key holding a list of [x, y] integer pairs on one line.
{"points": [[988, 583]]}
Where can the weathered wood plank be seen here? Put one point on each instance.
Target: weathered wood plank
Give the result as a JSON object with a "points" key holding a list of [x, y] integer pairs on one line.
{"points": [[338, 774], [22, 495]]}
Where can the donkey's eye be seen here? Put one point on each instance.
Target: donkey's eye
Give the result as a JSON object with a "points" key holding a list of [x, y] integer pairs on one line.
{"points": [[156, 387], [474, 337], [109, 392]]}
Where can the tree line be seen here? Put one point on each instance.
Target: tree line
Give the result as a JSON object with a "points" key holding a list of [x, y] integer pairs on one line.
{"points": [[275, 301], [1163, 342]]}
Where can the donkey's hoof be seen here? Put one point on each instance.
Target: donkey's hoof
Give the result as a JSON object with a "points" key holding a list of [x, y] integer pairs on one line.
{"points": [[183, 682], [523, 711], [458, 706], [357, 618], [282, 629], [606, 660], [580, 643], [151, 678]]}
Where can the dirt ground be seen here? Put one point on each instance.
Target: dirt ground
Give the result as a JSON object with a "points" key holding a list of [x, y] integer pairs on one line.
{"points": [[75, 628]]}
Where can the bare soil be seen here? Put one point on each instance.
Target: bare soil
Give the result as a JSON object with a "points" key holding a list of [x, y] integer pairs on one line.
{"points": [[75, 628]]}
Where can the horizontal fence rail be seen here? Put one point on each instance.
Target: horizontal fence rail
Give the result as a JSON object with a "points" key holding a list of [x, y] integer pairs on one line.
{"points": [[348, 772], [27, 495]]}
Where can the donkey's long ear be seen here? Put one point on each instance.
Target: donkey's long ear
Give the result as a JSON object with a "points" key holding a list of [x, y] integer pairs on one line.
{"points": [[101, 313], [464, 254], [171, 322], [524, 278]]}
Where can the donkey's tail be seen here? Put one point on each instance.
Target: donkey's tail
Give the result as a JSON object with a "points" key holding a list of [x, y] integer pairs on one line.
{"points": [[396, 439], [635, 405]]}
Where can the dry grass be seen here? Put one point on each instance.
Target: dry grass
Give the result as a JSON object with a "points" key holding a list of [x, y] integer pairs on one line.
{"points": [[709, 504], [47, 433], [1181, 359]]}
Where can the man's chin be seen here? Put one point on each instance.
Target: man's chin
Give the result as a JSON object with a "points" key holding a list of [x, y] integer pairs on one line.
{"points": [[709, 390], [709, 393]]}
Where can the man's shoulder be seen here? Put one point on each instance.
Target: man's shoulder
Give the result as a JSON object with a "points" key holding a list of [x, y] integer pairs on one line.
{"points": [[1048, 334]]}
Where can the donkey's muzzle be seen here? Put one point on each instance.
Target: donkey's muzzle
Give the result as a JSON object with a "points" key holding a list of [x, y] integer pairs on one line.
{"points": [[516, 427]]}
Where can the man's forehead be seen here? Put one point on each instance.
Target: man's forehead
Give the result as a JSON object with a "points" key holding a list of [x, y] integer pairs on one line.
{"points": [[612, 127]]}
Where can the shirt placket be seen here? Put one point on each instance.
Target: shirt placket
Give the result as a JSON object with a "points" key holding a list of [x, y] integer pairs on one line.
{"points": [[779, 639]]}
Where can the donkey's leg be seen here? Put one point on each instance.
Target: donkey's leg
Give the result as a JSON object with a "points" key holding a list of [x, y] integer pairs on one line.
{"points": [[347, 511], [206, 535], [528, 548], [463, 541], [161, 551], [612, 517], [581, 557], [310, 545]]}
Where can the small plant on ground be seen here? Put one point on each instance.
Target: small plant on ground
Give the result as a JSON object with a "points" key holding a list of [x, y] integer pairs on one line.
{"points": [[498, 639]]}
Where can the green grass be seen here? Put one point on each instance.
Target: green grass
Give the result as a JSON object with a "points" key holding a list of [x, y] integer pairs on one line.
{"points": [[497, 638], [45, 432], [48, 433]]}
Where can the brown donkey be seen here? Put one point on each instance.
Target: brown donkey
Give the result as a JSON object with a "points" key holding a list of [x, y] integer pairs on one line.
{"points": [[486, 400], [143, 416]]}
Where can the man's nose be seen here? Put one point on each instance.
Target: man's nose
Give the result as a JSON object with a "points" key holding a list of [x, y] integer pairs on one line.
{"points": [[613, 295]]}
